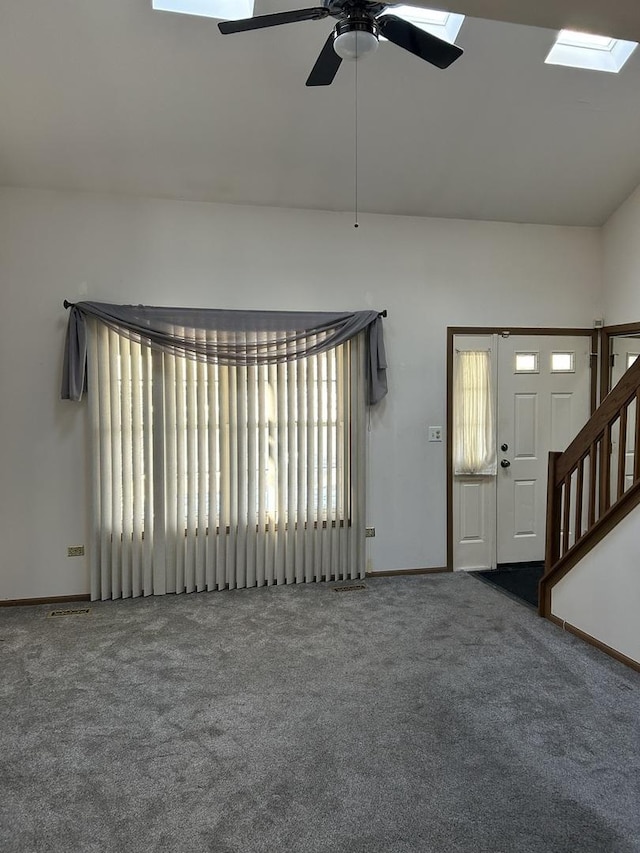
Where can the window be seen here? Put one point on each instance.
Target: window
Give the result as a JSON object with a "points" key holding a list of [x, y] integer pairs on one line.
{"points": [[631, 359], [526, 362], [584, 50], [217, 417], [210, 476], [563, 362], [473, 406], [227, 10], [266, 415]]}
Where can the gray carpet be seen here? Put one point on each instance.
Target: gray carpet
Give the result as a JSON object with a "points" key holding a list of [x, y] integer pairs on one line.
{"points": [[427, 714]]}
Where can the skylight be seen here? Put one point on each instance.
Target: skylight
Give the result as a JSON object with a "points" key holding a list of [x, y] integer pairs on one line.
{"points": [[584, 50], [226, 10], [444, 25], [571, 38]]}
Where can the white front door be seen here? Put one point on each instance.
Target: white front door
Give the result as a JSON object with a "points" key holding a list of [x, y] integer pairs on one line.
{"points": [[543, 400]]}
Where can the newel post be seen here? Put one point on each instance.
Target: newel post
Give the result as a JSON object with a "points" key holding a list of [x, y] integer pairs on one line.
{"points": [[552, 532]]}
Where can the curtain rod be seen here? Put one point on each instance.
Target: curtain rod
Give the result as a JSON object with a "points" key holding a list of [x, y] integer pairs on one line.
{"points": [[68, 304]]}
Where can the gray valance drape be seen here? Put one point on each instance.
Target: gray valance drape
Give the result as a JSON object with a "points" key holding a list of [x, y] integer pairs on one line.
{"points": [[225, 337]]}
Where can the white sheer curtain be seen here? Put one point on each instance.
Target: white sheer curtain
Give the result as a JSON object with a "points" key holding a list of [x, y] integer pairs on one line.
{"points": [[474, 444], [212, 477]]}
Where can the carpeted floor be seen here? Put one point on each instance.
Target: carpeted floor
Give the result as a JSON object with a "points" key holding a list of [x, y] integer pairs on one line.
{"points": [[520, 581], [422, 715]]}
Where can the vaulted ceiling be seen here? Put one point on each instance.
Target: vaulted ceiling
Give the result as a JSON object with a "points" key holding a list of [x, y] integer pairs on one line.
{"points": [[111, 96], [616, 18]]}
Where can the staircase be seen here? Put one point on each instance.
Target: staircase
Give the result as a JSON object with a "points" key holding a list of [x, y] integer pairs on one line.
{"points": [[594, 484]]}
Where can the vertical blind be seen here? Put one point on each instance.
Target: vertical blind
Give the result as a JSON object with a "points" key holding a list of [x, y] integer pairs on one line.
{"points": [[211, 477]]}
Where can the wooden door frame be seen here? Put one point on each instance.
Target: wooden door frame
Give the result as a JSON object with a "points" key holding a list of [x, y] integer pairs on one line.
{"points": [[500, 330], [609, 332]]}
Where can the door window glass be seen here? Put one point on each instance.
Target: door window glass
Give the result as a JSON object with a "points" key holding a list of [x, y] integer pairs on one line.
{"points": [[527, 362], [563, 362]]}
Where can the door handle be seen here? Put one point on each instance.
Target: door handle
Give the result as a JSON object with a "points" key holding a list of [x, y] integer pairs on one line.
{"points": [[504, 463]]}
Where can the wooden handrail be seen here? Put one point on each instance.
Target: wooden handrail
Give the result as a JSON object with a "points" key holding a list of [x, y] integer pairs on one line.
{"points": [[578, 517], [626, 389]]}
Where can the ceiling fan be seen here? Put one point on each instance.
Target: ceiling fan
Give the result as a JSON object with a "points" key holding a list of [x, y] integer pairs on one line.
{"points": [[360, 22]]}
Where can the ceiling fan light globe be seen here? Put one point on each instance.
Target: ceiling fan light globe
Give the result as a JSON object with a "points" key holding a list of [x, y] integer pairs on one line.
{"points": [[355, 44]]}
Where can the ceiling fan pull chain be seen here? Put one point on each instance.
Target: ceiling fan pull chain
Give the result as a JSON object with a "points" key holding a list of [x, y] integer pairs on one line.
{"points": [[356, 139]]}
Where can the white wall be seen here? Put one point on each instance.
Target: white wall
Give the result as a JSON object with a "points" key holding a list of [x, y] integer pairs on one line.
{"points": [[601, 595], [621, 263], [427, 273]]}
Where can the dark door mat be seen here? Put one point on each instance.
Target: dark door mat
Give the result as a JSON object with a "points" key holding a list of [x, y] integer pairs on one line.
{"points": [[519, 581]]}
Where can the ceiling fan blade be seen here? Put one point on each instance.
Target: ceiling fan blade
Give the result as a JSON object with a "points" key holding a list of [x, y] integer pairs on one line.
{"points": [[261, 21], [428, 47], [326, 66]]}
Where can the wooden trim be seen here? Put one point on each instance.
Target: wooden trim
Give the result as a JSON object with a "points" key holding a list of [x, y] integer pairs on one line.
{"points": [[54, 599], [605, 363], [598, 644], [609, 332], [497, 330], [622, 329], [449, 431], [636, 447], [398, 572], [520, 330], [593, 364], [604, 525]]}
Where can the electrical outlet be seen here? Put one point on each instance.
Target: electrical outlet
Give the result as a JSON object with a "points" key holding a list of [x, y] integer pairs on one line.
{"points": [[75, 551], [370, 532], [435, 433]]}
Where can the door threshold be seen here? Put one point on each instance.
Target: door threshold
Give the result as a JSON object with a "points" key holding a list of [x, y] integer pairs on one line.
{"points": [[526, 564]]}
